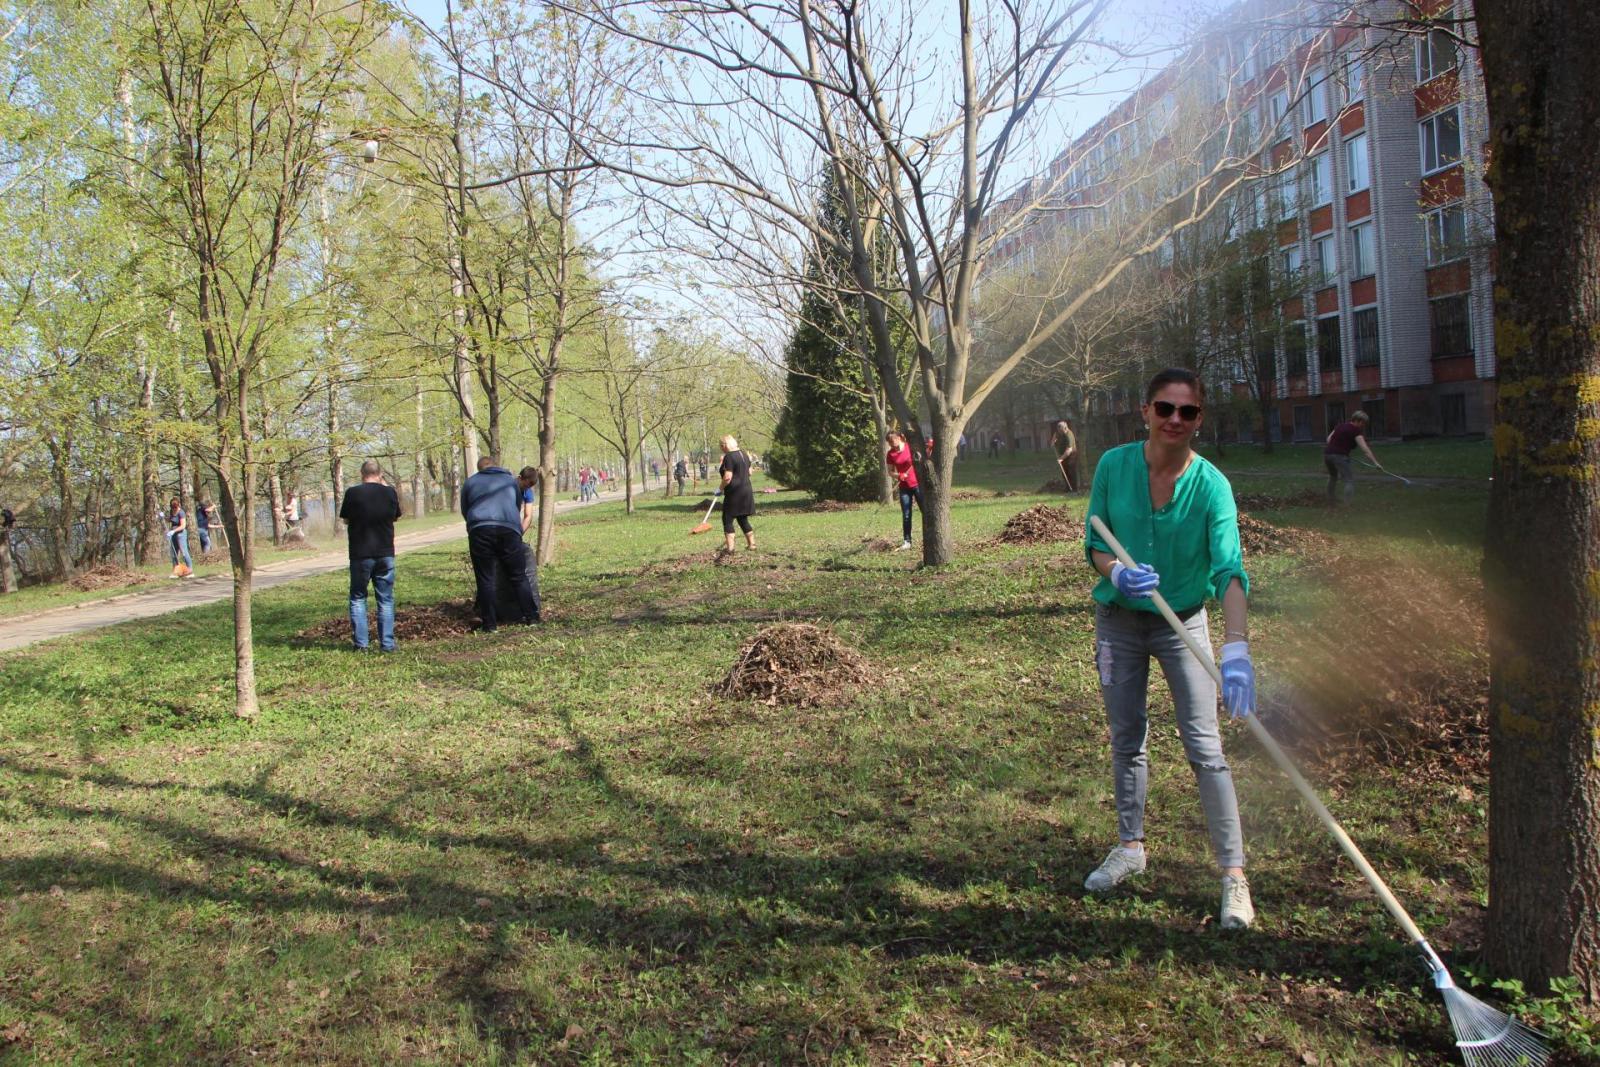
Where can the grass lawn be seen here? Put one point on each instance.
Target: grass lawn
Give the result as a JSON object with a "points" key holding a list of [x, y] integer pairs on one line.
{"points": [[36, 598], [556, 846]]}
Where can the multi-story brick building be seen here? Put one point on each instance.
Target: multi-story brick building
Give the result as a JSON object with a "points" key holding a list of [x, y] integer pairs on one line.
{"points": [[1369, 128]]}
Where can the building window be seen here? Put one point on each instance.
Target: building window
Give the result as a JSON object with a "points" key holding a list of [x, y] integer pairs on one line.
{"points": [[1447, 234], [1322, 260], [1365, 324], [1363, 254], [1294, 349], [1441, 140], [1453, 414], [1355, 73], [1335, 413], [1283, 185], [1317, 96], [1302, 422], [1292, 262], [1279, 105], [1436, 51], [1319, 180], [1328, 352], [1450, 323], [1375, 415], [1357, 174]]}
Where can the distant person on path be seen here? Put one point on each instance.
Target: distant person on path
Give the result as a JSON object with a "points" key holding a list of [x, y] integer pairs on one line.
{"points": [[291, 510], [178, 540], [202, 524], [738, 496], [491, 504], [1175, 513], [961, 446], [904, 465], [527, 486], [995, 443], [369, 511], [680, 473], [705, 467], [1065, 443], [1345, 438]]}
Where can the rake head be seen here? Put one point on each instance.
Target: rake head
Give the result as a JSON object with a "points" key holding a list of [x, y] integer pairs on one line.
{"points": [[1488, 1037]]}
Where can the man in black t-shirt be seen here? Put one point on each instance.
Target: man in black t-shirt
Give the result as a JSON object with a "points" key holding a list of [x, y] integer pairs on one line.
{"points": [[369, 511]]}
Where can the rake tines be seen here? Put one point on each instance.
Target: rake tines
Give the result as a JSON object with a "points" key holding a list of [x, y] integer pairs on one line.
{"points": [[1488, 1037]]}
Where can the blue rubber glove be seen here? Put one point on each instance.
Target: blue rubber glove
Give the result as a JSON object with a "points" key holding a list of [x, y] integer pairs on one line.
{"points": [[1138, 583], [1238, 679]]}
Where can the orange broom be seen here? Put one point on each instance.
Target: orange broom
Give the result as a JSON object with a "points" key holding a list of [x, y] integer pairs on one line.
{"points": [[705, 524]]}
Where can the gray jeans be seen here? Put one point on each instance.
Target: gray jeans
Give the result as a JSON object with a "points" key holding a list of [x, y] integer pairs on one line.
{"points": [[1124, 642], [1339, 471]]}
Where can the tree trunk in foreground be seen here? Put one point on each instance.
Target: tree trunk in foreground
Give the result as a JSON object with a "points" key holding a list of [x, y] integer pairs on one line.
{"points": [[1542, 557]]}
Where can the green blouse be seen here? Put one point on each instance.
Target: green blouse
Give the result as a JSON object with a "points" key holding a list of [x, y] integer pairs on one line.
{"points": [[1193, 542]]}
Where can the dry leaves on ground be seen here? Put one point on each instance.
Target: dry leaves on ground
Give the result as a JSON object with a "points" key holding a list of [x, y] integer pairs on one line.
{"points": [[109, 576], [798, 664], [1040, 524]]}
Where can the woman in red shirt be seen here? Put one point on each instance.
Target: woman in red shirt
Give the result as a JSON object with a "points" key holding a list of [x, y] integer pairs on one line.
{"points": [[904, 465]]}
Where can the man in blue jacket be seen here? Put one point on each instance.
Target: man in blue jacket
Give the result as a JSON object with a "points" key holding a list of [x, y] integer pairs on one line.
{"points": [[491, 502]]}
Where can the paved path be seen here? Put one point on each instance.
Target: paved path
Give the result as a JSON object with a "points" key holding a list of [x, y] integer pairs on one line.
{"points": [[27, 630]]}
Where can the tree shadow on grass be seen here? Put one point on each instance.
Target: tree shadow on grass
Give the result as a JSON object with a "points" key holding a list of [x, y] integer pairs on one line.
{"points": [[706, 892]]}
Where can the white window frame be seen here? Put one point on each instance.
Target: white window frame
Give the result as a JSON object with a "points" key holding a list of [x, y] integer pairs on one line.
{"points": [[1357, 176], [1422, 140], [1472, 332], [1316, 96], [1287, 195], [1354, 87], [1278, 105], [1440, 249], [1325, 254], [1319, 180], [1355, 337], [1427, 63], [1293, 260], [1363, 265]]}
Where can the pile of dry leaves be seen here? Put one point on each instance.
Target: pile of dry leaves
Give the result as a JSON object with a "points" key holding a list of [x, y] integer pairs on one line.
{"points": [[108, 576], [423, 622], [1397, 674], [1040, 524], [798, 664], [1259, 538]]}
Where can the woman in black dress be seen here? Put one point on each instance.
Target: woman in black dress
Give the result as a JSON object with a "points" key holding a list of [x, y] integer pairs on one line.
{"points": [[738, 498]]}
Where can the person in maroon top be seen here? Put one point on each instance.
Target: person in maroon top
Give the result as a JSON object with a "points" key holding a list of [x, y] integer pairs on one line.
{"points": [[904, 465], [1345, 438]]}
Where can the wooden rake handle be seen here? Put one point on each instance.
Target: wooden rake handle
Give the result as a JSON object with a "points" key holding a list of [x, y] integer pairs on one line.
{"points": [[1279, 756]]}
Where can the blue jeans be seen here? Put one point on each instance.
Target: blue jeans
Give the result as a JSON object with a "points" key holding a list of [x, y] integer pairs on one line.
{"points": [[205, 538], [906, 497], [1125, 642], [379, 570], [178, 542]]}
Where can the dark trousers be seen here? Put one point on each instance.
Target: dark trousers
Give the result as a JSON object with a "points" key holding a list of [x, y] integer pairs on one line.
{"points": [[491, 548]]}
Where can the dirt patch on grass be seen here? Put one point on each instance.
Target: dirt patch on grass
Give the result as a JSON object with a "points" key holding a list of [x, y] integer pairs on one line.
{"points": [[879, 544], [1039, 525], [830, 505], [1397, 675], [1260, 538], [797, 664], [108, 576], [423, 622], [972, 494]]}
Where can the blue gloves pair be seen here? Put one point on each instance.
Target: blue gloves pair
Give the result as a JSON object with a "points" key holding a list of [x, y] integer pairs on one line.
{"points": [[1238, 673]]}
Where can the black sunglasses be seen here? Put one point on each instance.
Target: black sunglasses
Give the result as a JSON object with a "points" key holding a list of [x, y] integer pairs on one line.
{"points": [[1165, 408]]}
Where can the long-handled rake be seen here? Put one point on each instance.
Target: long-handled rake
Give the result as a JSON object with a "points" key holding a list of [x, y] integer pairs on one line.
{"points": [[1385, 470], [1062, 464], [705, 523], [1486, 1036]]}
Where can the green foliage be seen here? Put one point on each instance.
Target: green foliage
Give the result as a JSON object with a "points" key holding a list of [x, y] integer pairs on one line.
{"points": [[827, 436]]}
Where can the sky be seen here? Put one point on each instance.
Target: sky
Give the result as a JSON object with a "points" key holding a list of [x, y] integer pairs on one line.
{"points": [[1144, 30]]}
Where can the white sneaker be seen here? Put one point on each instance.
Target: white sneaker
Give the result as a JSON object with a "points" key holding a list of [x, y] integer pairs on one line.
{"points": [[1120, 863], [903, 546], [1237, 911]]}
